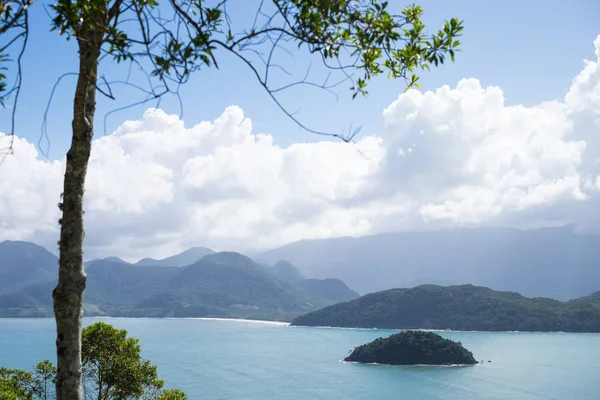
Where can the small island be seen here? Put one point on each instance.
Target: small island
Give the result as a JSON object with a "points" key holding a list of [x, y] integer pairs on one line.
{"points": [[413, 348]]}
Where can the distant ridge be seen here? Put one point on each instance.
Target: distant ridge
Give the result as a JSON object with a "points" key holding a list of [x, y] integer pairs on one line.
{"points": [[464, 308], [23, 264], [549, 262], [183, 259], [219, 285], [287, 272]]}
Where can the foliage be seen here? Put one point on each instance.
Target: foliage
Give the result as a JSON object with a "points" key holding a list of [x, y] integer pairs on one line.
{"points": [[170, 40], [172, 394], [465, 307], [362, 31], [21, 385], [411, 348], [15, 384], [113, 367], [113, 370]]}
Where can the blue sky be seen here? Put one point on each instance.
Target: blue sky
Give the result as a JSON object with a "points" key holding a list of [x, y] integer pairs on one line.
{"points": [[531, 49], [511, 140]]}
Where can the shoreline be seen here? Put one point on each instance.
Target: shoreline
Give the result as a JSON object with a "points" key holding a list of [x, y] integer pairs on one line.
{"points": [[251, 321], [289, 324]]}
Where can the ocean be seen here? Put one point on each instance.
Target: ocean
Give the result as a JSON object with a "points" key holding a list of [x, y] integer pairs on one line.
{"points": [[244, 360]]}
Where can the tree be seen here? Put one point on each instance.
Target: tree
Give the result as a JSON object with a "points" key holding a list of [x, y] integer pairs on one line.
{"points": [[44, 379], [15, 384], [21, 385], [359, 39], [113, 369]]}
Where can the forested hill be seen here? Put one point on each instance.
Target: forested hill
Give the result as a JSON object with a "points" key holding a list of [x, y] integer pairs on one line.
{"points": [[464, 307], [222, 284]]}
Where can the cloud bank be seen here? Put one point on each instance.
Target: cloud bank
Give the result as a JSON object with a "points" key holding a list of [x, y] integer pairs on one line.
{"points": [[454, 157]]}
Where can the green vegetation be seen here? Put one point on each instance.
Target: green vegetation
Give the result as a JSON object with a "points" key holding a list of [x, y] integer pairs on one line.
{"points": [[21, 385], [113, 369], [465, 307], [218, 285], [412, 348]]}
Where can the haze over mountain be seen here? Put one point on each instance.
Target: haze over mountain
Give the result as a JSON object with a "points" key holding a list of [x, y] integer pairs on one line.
{"points": [[182, 259], [188, 257], [225, 284], [551, 262], [286, 271], [23, 264]]}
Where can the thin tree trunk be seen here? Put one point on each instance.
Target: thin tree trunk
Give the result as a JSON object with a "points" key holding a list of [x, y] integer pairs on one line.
{"points": [[68, 294]]}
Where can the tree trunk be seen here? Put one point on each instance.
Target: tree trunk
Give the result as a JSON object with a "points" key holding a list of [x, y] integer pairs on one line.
{"points": [[68, 294]]}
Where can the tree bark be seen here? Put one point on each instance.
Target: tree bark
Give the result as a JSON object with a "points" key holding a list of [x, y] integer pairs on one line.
{"points": [[68, 294]]}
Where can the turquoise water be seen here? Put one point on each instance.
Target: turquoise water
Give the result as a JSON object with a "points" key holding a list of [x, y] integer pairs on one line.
{"points": [[219, 360]]}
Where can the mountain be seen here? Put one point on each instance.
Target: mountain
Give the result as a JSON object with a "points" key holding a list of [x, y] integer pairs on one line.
{"points": [[223, 284], [331, 289], [23, 264], [464, 307], [188, 257], [286, 272], [591, 298], [549, 262], [111, 259]]}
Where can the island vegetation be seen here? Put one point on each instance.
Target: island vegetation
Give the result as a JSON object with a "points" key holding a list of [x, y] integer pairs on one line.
{"points": [[413, 348], [464, 307]]}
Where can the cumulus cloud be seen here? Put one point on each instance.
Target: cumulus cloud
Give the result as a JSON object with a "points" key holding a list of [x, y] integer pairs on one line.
{"points": [[451, 157]]}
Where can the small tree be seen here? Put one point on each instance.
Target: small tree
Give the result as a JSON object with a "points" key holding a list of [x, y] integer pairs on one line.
{"points": [[113, 367], [15, 384], [44, 378], [22, 385]]}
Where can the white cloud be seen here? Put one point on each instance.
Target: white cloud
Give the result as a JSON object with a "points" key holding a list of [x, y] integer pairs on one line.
{"points": [[456, 156]]}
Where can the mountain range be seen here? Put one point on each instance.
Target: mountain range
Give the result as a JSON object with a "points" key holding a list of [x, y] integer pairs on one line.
{"points": [[225, 284], [287, 281], [548, 262]]}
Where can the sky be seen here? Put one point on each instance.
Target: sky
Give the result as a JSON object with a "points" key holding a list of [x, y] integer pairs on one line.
{"points": [[506, 136]]}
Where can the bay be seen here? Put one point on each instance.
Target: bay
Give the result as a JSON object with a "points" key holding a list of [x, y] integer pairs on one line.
{"points": [[219, 360]]}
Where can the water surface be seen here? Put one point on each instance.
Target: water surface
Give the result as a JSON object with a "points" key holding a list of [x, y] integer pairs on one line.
{"points": [[222, 360]]}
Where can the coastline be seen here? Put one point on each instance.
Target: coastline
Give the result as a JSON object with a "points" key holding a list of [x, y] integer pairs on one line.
{"points": [[252, 321], [289, 324]]}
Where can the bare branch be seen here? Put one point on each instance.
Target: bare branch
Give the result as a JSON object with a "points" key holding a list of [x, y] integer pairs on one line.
{"points": [[16, 89], [44, 128]]}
